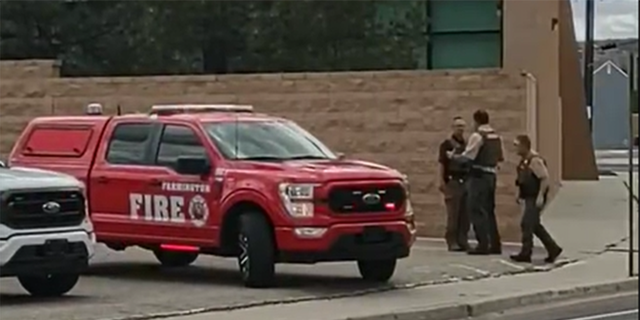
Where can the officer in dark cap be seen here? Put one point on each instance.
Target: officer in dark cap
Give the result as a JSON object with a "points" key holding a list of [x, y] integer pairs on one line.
{"points": [[533, 187], [452, 184], [484, 151]]}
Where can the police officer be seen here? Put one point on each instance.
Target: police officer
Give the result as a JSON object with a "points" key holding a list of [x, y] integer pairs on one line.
{"points": [[533, 185], [484, 150], [452, 178]]}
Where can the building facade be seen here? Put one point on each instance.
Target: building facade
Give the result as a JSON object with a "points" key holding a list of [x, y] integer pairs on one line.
{"points": [[611, 107], [515, 58]]}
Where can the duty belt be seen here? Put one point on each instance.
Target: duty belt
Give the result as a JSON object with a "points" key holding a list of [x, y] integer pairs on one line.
{"points": [[485, 169]]}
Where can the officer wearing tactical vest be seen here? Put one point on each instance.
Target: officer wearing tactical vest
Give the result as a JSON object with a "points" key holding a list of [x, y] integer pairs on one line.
{"points": [[533, 185], [484, 151], [452, 184]]}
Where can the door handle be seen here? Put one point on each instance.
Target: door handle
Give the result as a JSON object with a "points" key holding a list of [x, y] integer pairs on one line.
{"points": [[155, 182], [102, 179]]}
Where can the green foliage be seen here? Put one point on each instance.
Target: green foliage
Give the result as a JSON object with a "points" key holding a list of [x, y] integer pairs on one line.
{"points": [[177, 37]]}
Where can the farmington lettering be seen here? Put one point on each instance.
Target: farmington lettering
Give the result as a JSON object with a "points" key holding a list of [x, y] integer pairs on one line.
{"points": [[186, 187]]}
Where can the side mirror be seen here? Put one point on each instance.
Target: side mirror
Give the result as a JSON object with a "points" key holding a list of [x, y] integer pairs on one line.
{"points": [[193, 165], [341, 155], [2, 165]]}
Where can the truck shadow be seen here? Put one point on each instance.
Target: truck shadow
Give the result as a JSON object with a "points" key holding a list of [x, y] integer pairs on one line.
{"points": [[200, 275], [16, 299]]}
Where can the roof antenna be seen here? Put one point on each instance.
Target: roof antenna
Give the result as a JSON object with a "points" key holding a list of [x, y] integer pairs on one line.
{"points": [[118, 110]]}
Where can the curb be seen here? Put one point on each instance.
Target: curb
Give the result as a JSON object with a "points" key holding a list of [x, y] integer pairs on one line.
{"points": [[462, 311]]}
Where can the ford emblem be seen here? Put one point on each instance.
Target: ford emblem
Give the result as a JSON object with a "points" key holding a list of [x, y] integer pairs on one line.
{"points": [[51, 207], [371, 198]]}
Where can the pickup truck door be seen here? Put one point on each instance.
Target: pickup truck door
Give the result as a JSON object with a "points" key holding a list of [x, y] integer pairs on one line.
{"points": [[120, 176], [189, 202]]}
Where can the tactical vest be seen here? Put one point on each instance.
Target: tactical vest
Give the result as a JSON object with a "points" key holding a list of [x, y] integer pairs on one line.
{"points": [[490, 153], [528, 183], [458, 168]]}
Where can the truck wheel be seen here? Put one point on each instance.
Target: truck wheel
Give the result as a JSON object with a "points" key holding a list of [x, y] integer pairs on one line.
{"points": [[175, 259], [51, 285], [256, 257], [377, 270]]}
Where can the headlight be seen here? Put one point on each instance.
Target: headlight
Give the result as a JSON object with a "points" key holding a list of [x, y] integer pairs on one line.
{"points": [[297, 199], [297, 191]]}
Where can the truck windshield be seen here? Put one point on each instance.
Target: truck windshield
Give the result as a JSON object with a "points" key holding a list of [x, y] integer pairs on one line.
{"points": [[266, 141]]}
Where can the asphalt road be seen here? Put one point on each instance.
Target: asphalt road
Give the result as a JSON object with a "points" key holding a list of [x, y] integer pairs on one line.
{"points": [[124, 284], [618, 307]]}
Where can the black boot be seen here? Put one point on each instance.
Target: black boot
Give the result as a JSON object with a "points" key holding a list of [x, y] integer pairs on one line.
{"points": [[553, 255], [479, 251], [521, 258]]}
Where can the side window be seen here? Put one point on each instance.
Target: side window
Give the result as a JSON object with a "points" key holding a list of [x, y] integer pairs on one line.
{"points": [[178, 141], [128, 143]]}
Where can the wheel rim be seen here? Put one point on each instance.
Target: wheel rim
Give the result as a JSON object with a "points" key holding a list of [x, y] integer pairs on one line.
{"points": [[243, 256]]}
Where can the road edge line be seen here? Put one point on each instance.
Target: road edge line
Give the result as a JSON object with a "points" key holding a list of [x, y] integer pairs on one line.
{"points": [[462, 311], [556, 295]]}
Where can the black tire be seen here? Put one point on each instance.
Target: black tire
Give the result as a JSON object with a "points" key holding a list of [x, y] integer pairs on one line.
{"points": [[256, 254], [377, 270], [175, 259], [51, 285]]}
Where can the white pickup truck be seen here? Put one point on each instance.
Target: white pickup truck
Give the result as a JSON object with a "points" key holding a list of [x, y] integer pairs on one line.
{"points": [[46, 237]]}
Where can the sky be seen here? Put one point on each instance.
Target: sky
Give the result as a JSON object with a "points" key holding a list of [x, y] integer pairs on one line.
{"points": [[614, 19]]}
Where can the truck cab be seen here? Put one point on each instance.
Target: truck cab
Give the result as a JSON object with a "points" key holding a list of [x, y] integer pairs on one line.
{"points": [[46, 236], [184, 180]]}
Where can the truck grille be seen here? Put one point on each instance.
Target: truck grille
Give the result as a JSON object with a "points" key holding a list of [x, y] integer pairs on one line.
{"points": [[43, 209], [366, 199]]}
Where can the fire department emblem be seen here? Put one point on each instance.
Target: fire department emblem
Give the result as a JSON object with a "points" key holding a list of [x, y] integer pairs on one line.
{"points": [[198, 210]]}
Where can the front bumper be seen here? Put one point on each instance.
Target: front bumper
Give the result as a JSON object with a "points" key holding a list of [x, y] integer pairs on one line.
{"points": [[60, 252], [347, 242]]}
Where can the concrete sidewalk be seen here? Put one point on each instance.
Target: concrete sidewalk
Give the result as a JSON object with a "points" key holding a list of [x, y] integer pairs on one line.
{"points": [[452, 301], [587, 218]]}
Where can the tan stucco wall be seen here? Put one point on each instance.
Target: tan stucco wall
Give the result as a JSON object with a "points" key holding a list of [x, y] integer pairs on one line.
{"points": [[539, 39], [29, 69], [395, 118]]}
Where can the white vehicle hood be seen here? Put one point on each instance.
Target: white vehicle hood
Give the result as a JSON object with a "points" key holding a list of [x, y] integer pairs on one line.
{"points": [[17, 178]]}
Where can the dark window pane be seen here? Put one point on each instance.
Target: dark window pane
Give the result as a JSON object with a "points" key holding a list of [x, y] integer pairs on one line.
{"points": [[464, 15], [471, 50], [178, 141], [128, 143]]}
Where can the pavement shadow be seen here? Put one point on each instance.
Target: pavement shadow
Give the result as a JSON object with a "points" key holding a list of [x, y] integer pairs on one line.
{"points": [[15, 299], [199, 275]]}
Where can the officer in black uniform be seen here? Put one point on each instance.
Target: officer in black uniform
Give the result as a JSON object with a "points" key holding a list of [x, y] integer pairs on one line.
{"points": [[484, 150], [452, 184], [532, 182]]}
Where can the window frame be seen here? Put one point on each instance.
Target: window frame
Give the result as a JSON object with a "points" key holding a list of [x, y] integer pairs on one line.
{"points": [[158, 143], [145, 161], [64, 127]]}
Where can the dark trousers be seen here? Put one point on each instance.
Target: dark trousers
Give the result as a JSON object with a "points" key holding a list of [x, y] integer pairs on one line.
{"points": [[457, 214], [481, 201], [532, 226]]}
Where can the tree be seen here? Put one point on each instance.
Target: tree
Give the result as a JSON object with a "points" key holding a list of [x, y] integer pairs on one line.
{"points": [[204, 36]]}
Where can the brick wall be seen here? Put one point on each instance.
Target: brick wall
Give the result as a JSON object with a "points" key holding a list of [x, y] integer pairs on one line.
{"points": [[394, 118]]}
